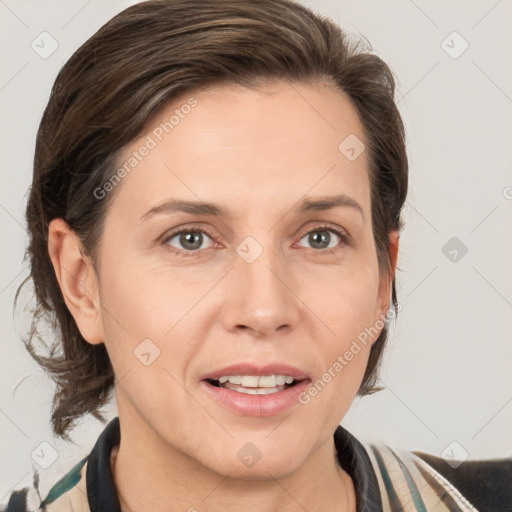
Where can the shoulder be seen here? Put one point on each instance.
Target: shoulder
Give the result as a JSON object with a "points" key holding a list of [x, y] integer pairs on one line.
{"points": [[88, 481], [486, 483], [421, 481], [388, 479], [68, 493]]}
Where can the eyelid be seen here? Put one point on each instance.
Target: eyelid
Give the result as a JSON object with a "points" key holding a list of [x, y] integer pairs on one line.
{"points": [[327, 226], [168, 235]]}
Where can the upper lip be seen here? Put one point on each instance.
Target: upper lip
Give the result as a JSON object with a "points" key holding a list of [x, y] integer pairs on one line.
{"points": [[254, 369]]}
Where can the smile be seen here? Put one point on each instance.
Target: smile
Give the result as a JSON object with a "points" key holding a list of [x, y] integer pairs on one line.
{"points": [[260, 400]]}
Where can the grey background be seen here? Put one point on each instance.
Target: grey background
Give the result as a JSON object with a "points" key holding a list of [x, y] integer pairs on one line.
{"points": [[447, 367]]}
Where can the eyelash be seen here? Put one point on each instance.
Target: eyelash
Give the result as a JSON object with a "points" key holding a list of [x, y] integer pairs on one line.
{"points": [[345, 239]]}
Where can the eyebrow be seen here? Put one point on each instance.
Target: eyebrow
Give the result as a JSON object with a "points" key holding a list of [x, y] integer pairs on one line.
{"points": [[214, 210]]}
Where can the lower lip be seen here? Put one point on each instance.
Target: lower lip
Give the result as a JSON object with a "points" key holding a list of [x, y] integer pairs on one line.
{"points": [[256, 405]]}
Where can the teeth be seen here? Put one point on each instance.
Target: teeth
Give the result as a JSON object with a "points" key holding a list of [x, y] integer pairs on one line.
{"points": [[255, 381], [252, 391], [259, 391], [250, 381]]}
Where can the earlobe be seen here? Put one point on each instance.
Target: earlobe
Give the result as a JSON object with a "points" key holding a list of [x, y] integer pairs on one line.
{"points": [[77, 280], [394, 238], [386, 280]]}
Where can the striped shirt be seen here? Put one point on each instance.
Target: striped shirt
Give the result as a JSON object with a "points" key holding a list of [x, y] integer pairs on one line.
{"points": [[384, 481]]}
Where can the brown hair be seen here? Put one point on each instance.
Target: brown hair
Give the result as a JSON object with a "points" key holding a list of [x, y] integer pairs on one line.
{"points": [[125, 73]]}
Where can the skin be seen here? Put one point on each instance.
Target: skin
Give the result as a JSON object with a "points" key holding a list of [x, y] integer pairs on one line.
{"points": [[257, 153]]}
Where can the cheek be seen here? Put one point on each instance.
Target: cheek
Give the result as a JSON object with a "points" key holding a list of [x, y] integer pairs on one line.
{"points": [[346, 304], [348, 310], [133, 309], [346, 299], [149, 347], [145, 299], [159, 305]]}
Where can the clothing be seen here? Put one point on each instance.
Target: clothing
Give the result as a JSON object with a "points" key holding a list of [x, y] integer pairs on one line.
{"points": [[384, 481]]}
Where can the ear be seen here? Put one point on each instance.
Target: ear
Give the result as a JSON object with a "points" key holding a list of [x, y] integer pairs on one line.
{"points": [[77, 280], [386, 280]]}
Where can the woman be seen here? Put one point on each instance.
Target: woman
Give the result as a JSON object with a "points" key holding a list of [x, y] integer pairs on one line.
{"points": [[214, 222]]}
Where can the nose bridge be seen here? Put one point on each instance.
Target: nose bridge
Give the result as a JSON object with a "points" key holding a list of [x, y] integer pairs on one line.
{"points": [[260, 299]]}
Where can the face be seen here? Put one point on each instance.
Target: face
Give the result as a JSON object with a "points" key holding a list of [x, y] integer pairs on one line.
{"points": [[279, 277]]}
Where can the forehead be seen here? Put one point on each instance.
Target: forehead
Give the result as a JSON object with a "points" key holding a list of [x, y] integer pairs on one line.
{"points": [[232, 144]]}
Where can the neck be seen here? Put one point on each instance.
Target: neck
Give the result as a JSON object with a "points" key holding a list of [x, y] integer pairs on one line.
{"points": [[155, 476]]}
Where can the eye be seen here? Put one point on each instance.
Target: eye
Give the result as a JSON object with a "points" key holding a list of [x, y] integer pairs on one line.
{"points": [[321, 238], [188, 241]]}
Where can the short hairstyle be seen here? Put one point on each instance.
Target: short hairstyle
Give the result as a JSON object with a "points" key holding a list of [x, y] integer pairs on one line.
{"points": [[126, 73]]}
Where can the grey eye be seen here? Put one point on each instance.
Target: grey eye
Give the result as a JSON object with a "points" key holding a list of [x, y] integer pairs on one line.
{"points": [[322, 238], [189, 240]]}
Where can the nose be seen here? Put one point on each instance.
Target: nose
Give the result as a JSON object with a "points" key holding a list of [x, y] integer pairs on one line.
{"points": [[260, 297]]}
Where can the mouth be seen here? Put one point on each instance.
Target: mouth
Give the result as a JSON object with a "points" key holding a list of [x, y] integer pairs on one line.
{"points": [[254, 384], [250, 390]]}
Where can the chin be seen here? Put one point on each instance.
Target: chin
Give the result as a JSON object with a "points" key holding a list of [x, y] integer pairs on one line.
{"points": [[257, 460], [261, 471]]}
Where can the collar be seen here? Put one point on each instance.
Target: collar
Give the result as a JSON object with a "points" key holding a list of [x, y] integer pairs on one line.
{"points": [[101, 489], [352, 456]]}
